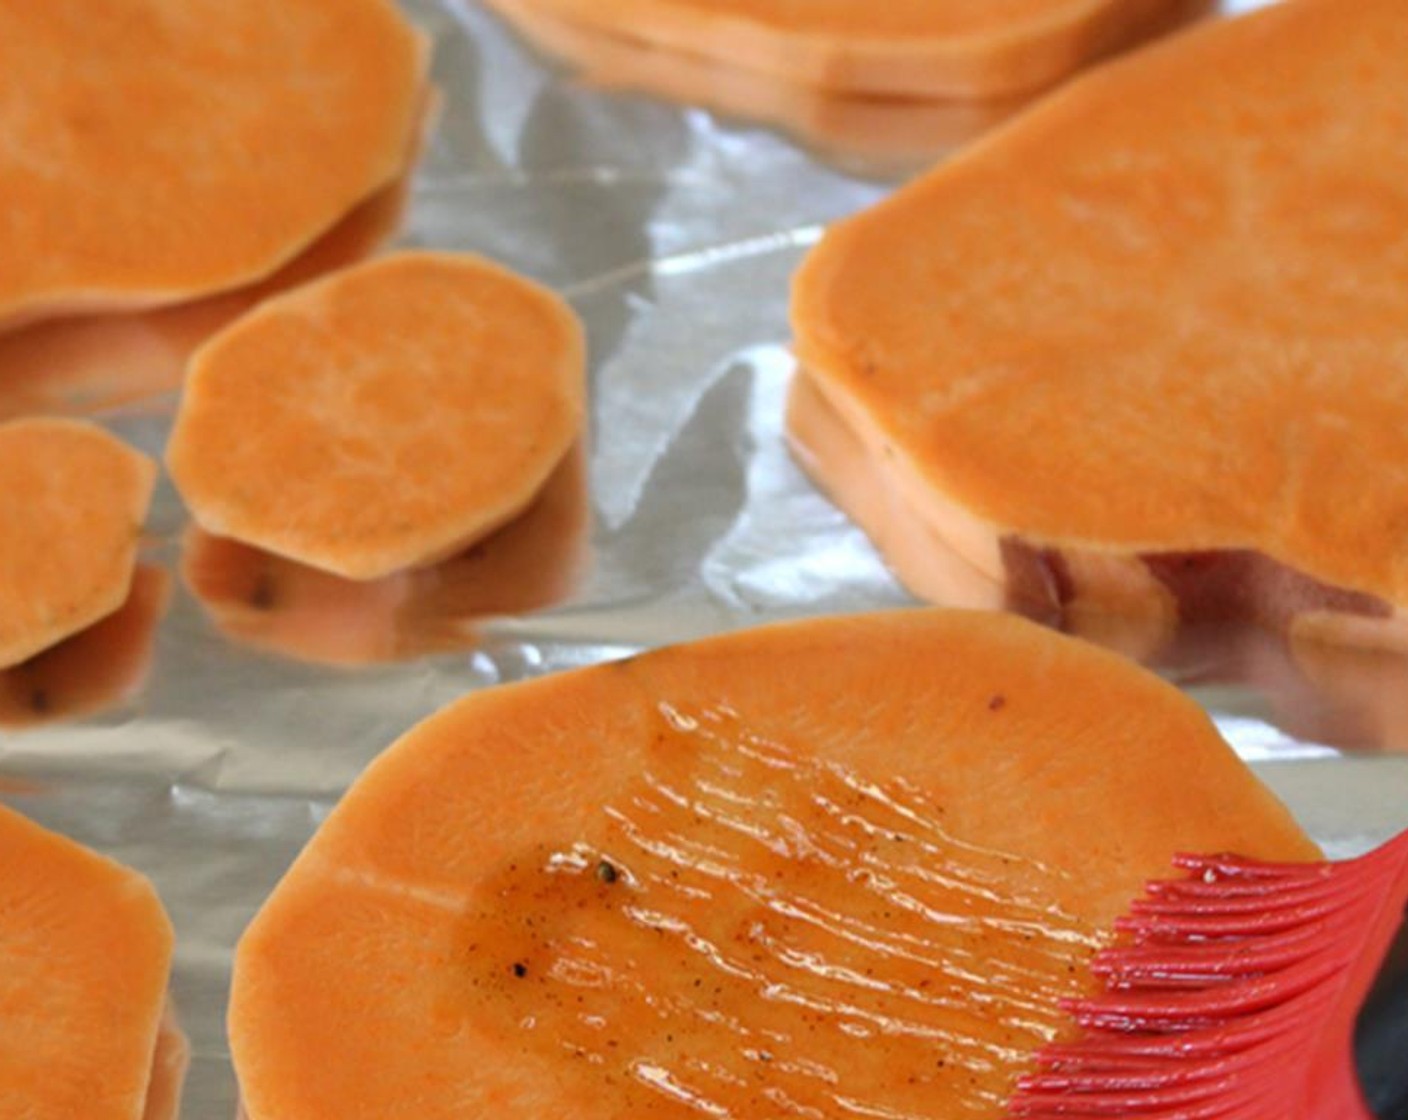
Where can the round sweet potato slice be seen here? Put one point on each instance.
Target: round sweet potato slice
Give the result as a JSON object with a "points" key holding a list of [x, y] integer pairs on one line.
{"points": [[72, 501], [157, 150], [899, 48], [1151, 329], [837, 867], [87, 949], [383, 418]]}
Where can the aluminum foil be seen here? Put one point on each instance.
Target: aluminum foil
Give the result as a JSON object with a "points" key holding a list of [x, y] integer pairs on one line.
{"points": [[674, 233]]}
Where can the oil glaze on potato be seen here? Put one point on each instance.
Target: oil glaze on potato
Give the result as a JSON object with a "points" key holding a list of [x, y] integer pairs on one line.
{"points": [[838, 867]]}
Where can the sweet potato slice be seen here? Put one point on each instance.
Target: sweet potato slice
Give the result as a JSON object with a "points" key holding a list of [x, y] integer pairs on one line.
{"points": [[83, 364], [72, 501], [288, 608], [839, 867], [1325, 678], [906, 48], [95, 668], [87, 948], [1146, 347], [163, 149], [871, 134], [383, 418]]}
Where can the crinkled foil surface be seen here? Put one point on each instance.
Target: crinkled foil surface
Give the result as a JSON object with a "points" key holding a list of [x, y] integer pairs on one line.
{"points": [[674, 234]]}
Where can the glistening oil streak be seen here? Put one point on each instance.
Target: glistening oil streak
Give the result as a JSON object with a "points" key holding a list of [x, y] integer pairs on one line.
{"points": [[743, 918]]}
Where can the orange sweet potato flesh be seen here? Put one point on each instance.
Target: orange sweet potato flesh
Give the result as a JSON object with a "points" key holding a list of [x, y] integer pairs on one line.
{"points": [[94, 669], [87, 948], [164, 149], [1152, 329], [383, 418], [843, 865], [265, 601], [81, 365], [170, 1062], [72, 501], [885, 135], [908, 48]]}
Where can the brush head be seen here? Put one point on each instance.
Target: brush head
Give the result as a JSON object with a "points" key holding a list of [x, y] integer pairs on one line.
{"points": [[1232, 993]]}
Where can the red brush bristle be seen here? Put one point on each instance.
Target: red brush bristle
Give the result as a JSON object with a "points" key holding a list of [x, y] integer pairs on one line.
{"points": [[1228, 992]]}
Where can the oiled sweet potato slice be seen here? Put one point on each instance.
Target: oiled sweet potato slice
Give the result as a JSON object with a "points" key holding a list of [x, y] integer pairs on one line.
{"points": [[72, 502], [87, 948], [912, 48], [158, 150], [383, 418], [840, 867], [1149, 332]]}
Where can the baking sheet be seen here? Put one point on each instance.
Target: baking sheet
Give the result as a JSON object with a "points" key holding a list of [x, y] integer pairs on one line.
{"points": [[674, 234]]}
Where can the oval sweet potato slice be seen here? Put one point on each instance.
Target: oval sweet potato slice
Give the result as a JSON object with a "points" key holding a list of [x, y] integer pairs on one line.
{"points": [[72, 501], [383, 418], [838, 867], [87, 949], [908, 48], [162, 149], [1142, 335]]}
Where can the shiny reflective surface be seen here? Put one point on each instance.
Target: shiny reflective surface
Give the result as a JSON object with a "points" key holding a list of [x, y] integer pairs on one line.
{"points": [[752, 933], [674, 234]]}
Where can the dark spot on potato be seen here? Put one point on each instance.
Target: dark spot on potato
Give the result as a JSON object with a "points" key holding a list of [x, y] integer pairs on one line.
{"points": [[262, 596]]}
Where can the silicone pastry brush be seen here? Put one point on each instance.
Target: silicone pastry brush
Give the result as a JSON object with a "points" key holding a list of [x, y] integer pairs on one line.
{"points": [[1234, 994]]}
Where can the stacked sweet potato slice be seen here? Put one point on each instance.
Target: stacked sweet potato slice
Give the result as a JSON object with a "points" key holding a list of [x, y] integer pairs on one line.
{"points": [[886, 84], [1140, 355], [903, 48], [162, 150]]}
